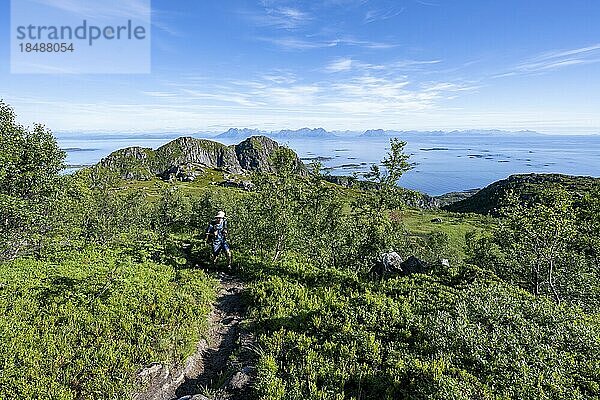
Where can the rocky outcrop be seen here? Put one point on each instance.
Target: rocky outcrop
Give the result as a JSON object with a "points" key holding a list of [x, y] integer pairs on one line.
{"points": [[184, 173], [132, 163], [391, 264], [253, 154], [185, 158], [206, 153]]}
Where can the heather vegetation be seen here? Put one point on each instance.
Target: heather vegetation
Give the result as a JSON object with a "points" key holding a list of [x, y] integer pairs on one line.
{"points": [[100, 277]]}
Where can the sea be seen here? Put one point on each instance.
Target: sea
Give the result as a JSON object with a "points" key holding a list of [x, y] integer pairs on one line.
{"points": [[443, 162]]}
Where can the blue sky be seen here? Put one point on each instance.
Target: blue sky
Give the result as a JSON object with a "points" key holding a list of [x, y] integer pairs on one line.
{"points": [[337, 64]]}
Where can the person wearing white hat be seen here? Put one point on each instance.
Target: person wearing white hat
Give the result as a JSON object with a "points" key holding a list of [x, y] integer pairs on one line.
{"points": [[216, 234]]}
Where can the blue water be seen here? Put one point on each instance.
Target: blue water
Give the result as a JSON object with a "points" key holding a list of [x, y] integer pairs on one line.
{"points": [[445, 163]]}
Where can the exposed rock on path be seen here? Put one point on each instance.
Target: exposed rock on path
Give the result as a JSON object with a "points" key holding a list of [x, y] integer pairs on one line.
{"points": [[221, 368]]}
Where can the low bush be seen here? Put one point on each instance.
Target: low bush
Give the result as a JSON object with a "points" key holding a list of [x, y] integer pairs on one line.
{"points": [[82, 327]]}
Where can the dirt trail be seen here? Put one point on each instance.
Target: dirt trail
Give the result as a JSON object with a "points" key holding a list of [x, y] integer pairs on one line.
{"points": [[221, 367]]}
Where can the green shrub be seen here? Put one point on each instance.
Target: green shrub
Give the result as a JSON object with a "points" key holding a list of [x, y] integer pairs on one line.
{"points": [[82, 327], [330, 334]]}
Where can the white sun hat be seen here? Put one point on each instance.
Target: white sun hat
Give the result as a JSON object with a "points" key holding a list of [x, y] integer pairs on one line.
{"points": [[220, 214]]}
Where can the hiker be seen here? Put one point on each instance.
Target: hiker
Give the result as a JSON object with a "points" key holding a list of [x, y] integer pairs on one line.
{"points": [[216, 234]]}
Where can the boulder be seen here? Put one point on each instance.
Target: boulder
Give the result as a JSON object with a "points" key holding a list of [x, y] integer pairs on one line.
{"points": [[183, 173], [150, 371], [245, 185], [414, 266], [194, 397], [388, 264], [238, 381]]}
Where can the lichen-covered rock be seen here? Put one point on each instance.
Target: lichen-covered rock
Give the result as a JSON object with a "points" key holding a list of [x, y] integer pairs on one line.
{"points": [[388, 264], [254, 154], [187, 150], [132, 163], [238, 381]]}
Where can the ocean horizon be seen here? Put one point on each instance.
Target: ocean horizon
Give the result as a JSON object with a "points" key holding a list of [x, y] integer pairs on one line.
{"points": [[443, 162]]}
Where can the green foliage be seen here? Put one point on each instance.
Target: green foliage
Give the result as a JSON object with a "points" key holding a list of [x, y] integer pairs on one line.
{"points": [[588, 227], [82, 326], [331, 334], [536, 237], [172, 211], [544, 245], [107, 288], [396, 163], [525, 186], [29, 164]]}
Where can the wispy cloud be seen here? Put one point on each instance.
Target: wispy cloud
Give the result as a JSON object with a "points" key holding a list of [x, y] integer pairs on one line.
{"points": [[568, 53], [281, 17], [296, 43], [368, 44], [382, 14], [362, 90], [159, 94], [346, 64], [309, 43], [343, 64], [449, 87], [426, 3], [280, 77], [298, 95], [113, 9], [226, 97], [553, 60]]}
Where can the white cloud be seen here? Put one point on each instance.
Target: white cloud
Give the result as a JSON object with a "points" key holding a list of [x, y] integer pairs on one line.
{"points": [[567, 53], [292, 95], [280, 77], [238, 98], [375, 15], [343, 64], [159, 94], [288, 18], [309, 43], [295, 43], [554, 60], [107, 9]]}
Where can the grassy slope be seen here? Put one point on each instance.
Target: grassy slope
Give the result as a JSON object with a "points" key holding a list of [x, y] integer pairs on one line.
{"points": [[82, 326], [421, 223]]}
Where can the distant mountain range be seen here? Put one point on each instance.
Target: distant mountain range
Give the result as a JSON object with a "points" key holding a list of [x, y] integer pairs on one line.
{"points": [[240, 134], [320, 133], [305, 133], [373, 133]]}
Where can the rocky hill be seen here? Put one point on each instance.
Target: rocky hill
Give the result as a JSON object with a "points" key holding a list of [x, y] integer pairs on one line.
{"points": [[488, 200], [185, 158]]}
